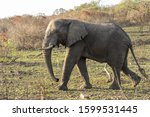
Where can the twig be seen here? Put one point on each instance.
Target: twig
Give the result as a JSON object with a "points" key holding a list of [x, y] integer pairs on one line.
{"points": [[108, 74], [38, 54], [42, 93]]}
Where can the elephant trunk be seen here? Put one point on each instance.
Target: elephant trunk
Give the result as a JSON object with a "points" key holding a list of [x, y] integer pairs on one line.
{"points": [[47, 56]]}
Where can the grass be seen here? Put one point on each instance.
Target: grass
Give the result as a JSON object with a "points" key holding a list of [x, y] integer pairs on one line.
{"points": [[27, 78]]}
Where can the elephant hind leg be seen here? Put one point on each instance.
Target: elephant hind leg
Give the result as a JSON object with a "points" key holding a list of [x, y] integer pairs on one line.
{"points": [[116, 84], [115, 61], [134, 77]]}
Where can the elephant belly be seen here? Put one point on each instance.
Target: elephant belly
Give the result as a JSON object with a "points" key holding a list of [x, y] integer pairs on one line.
{"points": [[96, 55]]}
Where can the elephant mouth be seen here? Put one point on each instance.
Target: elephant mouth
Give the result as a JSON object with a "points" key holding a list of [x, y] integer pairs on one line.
{"points": [[49, 47]]}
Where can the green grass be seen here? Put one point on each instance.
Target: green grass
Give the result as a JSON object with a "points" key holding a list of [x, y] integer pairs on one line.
{"points": [[27, 76]]}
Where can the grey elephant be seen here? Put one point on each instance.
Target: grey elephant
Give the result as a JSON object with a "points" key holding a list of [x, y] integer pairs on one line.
{"points": [[105, 42]]}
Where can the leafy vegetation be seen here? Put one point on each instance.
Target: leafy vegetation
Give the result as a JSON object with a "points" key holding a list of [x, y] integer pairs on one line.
{"points": [[88, 6], [27, 31]]}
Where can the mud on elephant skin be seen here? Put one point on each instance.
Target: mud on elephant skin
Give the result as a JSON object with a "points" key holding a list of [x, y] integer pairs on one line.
{"points": [[106, 42]]}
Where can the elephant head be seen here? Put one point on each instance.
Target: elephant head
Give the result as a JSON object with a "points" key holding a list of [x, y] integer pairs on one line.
{"points": [[61, 31]]}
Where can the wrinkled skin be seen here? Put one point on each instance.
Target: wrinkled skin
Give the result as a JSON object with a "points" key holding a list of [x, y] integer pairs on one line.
{"points": [[100, 42]]}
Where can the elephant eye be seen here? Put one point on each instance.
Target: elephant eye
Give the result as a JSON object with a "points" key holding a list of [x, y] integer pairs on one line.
{"points": [[58, 32]]}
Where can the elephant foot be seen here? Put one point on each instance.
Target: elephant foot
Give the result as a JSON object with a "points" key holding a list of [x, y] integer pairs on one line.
{"points": [[87, 86], [114, 86], [63, 88], [136, 81]]}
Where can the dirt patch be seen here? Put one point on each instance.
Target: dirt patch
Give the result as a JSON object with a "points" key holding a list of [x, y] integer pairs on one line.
{"points": [[143, 59], [28, 64], [15, 73], [141, 42], [21, 63], [1, 64], [19, 73]]}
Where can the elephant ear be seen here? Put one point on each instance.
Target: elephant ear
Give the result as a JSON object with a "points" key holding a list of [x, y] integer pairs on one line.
{"points": [[76, 32]]}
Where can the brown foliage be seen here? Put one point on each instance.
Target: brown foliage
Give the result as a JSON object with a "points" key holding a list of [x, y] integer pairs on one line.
{"points": [[27, 31]]}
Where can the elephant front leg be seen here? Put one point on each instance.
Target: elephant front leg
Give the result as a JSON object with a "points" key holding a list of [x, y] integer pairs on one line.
{"points": [[72, 56], [67, 69], [84, 73]]}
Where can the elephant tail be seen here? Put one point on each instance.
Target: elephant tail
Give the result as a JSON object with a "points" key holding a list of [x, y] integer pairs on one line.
{"points": [[142, 71]]}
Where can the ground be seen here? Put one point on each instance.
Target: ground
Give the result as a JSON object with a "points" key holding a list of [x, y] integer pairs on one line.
{"points": [[24, 75]]}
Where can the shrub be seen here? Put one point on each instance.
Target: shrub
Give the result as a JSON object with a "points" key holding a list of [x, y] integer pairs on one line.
{"points": [[92, 5], [28, 33], [7, 51]]}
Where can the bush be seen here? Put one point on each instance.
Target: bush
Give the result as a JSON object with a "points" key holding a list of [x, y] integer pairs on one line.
{"points": [[28, 33], [88, 6], [7, 50], [133, 11]]}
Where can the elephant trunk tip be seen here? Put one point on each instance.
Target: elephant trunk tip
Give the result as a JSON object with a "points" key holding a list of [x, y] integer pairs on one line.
{"points": [[56, 79]]}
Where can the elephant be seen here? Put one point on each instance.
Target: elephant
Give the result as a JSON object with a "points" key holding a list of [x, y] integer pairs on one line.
{"points": [[104, 43]]}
